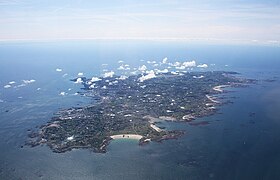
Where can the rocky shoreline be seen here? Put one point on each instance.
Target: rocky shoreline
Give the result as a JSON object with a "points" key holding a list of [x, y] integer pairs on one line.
{"points": [[130, 106]]}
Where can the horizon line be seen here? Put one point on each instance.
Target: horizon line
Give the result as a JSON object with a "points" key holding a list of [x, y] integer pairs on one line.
{"points": [[206, 40]]}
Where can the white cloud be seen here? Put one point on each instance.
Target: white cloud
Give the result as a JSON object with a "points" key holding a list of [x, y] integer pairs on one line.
{"points": [[149, 72], [21, 85], [7, 86], [95, 79], [70, 138], [12, 82], [80, 74], [164, 61], [121, 67], [198, 77], [189, 64], [122, 77], [38, 89], [133, 72], [180, 67], [124, 67], [92, 86], [204, 15], [109, 74], [177, 63], [79, 80], [202, 65], [150, 75], [64, 75], [151, 62], [58, 69], [120, 61], [142, 68], [28, 81], [162, 71], [62, 93]]}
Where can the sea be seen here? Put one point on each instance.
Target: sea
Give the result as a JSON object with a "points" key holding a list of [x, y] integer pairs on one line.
{"points": [[240, 142]]}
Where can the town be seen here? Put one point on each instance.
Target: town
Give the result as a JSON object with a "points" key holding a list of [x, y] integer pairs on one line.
{"points": [[130, 105]]}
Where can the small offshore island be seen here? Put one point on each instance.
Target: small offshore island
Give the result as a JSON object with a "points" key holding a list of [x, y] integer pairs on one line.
{"points": [[130, 107]]}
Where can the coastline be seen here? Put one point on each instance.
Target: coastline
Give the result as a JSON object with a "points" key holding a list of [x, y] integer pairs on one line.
{"points": [[212, 99], [127, 136], [143, 120], [220, 88]]}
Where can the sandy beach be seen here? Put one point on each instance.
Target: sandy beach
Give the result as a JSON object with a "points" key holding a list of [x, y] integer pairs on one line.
{"points": [[156, 128], [211, 98], [219, 88], [127, 136]]}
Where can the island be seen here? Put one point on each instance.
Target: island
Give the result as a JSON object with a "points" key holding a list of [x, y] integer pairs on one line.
{"points": [[131, 107]]}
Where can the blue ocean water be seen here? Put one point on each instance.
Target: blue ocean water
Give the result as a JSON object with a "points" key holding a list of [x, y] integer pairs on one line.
{"points": [[235, 145]]}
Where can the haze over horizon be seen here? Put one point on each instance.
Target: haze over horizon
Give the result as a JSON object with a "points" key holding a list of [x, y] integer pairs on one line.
{"points": [[255, 21]]}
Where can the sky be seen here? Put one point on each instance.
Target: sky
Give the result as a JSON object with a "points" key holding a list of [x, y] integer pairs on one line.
{"points": [[218, 20]]}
